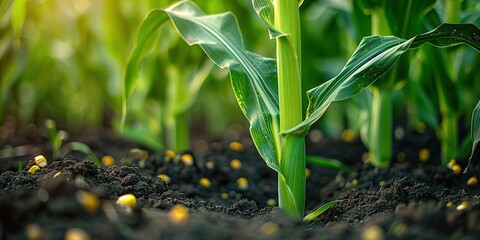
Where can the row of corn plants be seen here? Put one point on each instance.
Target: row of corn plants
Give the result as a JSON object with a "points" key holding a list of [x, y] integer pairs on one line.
{"points": [[269, 90]]}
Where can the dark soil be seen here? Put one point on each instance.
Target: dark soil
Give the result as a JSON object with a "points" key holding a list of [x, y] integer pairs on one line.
{"points": [[410, 200]]}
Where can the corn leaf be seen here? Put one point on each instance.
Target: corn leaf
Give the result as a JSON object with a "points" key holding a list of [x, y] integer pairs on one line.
{"points": [[253, 76], [19, 9], [311, 216], [265, 10], [329, 162], [144, 44], [475, 128], [372, 59]]}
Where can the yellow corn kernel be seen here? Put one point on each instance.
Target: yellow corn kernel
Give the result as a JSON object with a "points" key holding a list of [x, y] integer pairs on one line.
{"points": [[57, 174], [76, 234], [242, 183], [424, 155], [224, 195], [128, 200], [449, 204], [108, 160], [34, 232], [472, 181], [204, 182], [269, 229], [236, 146], [355, 182], [348, 135], [456, 169], [463, 205], [178, 214], [372, 233], [33, 169], [235, 164], [165, 178], [169, 155], [452, 163], [187, 159], [308, 172], [88, 200], [41, 161], [271, 202]]}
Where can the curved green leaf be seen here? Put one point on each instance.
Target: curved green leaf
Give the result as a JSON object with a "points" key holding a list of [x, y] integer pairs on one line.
{"points": [[329, 162], [80, 147], [320, 210], [253, 76], [144, 44], [265, 10], [475, 128], [373, 58]]}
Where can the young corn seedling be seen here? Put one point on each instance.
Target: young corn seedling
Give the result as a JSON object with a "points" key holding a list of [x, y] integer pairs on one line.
{"points": [[268, 90], [59, 149]]}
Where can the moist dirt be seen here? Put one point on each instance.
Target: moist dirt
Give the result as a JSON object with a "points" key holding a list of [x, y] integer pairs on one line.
{"points": [[412, 199]]}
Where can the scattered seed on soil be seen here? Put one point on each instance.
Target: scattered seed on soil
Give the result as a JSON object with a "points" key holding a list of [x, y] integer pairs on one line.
{"points": [[271, 202], [41, 161], [401, 156], [348, 135], [235, 164], [169, 155], [187, 159], [178, 214], [424, 154], [108, 160], [242, 183], [308, 172], [269, 229], [373, 232], [463, 205], [164, 178], [33, 169], [236, 146], [128, 200], [204, 182], [34, 232], [76, 234], [452, 163], [88, 200], [472, 181], [456, 169]]}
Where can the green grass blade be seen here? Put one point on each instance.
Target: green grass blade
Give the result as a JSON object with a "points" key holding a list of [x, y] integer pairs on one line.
{"points": [[253, 76], [372, 59], [80, 147], [320, 210], [330, 163]]}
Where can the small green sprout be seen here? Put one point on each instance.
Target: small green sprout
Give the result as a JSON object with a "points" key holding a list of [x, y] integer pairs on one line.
{"points": [[58, 149]]}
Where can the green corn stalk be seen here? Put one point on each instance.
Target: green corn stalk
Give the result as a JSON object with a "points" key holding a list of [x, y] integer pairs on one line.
{"points": [[259, 82]]}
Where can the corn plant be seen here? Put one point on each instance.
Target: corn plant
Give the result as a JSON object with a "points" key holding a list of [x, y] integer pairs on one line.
{"points": [[268, 90]]}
